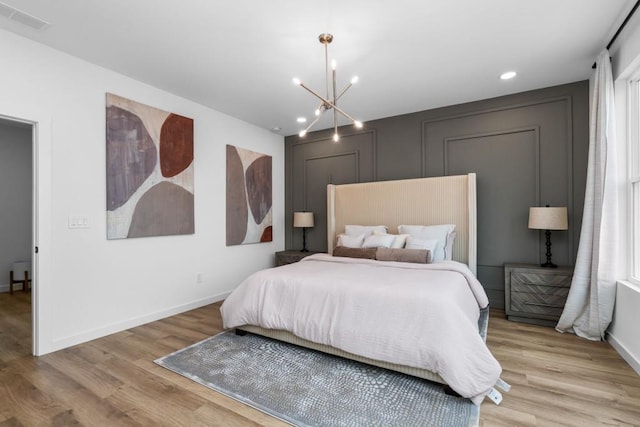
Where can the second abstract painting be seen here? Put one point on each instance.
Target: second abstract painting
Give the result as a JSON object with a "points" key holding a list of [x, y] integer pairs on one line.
{"points": [[249, 210]]}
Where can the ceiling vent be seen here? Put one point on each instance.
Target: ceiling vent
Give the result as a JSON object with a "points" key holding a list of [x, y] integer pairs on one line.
{"points": [[23, 18]]}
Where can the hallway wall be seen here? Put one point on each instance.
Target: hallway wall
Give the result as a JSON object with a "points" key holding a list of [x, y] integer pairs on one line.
{"points": [[15, 197]]}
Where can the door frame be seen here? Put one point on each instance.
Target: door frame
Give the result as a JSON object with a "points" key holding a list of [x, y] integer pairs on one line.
{"points": [[41, 219]]}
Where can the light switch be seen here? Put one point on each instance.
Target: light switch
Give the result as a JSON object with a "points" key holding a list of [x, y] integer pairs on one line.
{"points": [[78, 221]]}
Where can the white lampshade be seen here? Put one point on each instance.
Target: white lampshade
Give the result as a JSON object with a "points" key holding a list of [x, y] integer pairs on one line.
{"points": [[548, 218], [303, 219]]}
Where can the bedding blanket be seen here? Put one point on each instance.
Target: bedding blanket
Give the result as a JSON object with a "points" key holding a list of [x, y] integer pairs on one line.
{"points": [[420, 315]]}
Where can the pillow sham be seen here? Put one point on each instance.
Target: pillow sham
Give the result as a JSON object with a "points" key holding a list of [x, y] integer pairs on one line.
{"points": [[399, 240], [444, 233], [378, 240], [417, 243], [419, 256], [367, 230], [350, 241], [343, 251]]}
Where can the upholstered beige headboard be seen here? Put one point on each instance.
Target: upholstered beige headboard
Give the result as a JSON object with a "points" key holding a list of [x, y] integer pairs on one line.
{"points": [[421, 201]]}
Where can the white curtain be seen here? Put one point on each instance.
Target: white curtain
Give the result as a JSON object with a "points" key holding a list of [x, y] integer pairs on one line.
{"points": [[589, 307]]}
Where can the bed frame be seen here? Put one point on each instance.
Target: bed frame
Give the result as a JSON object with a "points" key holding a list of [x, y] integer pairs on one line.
{"points": [[421, 201]]}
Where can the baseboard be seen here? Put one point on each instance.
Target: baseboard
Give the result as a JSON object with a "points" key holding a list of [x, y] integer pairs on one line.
{"points": [[69, 341], [16, 288], [622, 350]]}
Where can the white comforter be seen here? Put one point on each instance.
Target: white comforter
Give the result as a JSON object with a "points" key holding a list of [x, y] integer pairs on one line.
{"points": [[420, 315]]}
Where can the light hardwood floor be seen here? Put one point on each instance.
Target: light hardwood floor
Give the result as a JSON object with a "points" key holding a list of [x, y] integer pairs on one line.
{"points": [[557, 379]]}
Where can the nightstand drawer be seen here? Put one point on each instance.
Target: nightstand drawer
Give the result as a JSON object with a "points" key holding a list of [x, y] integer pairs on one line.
{"points": [[524, 280], [535, 303], [558, 285]]}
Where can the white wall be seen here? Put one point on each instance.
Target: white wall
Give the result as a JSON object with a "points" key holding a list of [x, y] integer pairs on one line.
{"points": [[15, 198], [90, 286], [624, 333]]}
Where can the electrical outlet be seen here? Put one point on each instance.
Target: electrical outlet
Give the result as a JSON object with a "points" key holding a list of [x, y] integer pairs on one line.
{"points": [[199, 278]]}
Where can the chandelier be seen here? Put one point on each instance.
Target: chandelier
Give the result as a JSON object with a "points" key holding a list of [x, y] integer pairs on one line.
{"points": [[327, 103]]}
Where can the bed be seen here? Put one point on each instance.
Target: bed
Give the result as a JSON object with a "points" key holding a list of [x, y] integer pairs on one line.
{"points": [[329, 297]]}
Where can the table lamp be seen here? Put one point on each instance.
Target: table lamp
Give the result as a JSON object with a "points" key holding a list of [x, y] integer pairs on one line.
{"points": [[548, 219], [303, 220]]}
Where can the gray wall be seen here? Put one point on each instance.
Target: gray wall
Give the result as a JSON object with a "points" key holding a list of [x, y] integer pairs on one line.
{"points": [[528, 149], [15, 197]]}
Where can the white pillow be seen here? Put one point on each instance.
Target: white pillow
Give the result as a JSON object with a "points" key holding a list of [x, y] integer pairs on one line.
{"points": [[367, 230], [418, 243], [350, 241], [399, 240], [378, 241], [445, 235]]}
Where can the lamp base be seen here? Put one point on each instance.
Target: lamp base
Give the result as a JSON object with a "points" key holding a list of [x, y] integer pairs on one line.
{"points": [[548, 264], [304, 240]]}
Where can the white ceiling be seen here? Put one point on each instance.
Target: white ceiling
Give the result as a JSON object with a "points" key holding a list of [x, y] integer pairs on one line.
{"points": [[239, 56]]}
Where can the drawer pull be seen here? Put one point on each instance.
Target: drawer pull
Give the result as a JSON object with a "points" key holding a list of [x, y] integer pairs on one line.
{"points": [[538, 304]]}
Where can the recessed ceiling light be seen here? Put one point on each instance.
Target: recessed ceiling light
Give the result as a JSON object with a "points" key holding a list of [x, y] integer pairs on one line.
{"points": [[508, 75], [276, 129], [301, 120]]}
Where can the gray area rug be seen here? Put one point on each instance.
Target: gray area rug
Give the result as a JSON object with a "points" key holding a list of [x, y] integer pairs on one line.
{"points": [[308, 388]]}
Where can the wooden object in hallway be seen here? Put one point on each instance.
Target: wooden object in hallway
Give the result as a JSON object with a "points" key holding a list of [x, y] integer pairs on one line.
{"points": [[25, 281]]}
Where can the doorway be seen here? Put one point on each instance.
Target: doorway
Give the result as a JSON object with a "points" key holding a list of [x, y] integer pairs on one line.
{"points": [[17, 233]]}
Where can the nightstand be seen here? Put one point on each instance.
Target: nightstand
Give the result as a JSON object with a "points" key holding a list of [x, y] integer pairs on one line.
{"points": [[291, 256], [535, 294]]}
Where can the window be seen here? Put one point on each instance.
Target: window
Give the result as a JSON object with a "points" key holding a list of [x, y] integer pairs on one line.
{"points": [[634, 178]]}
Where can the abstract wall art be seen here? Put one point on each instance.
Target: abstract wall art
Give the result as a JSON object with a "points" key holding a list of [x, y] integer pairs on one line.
{"points": [[149, 171], [249, 210]]}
